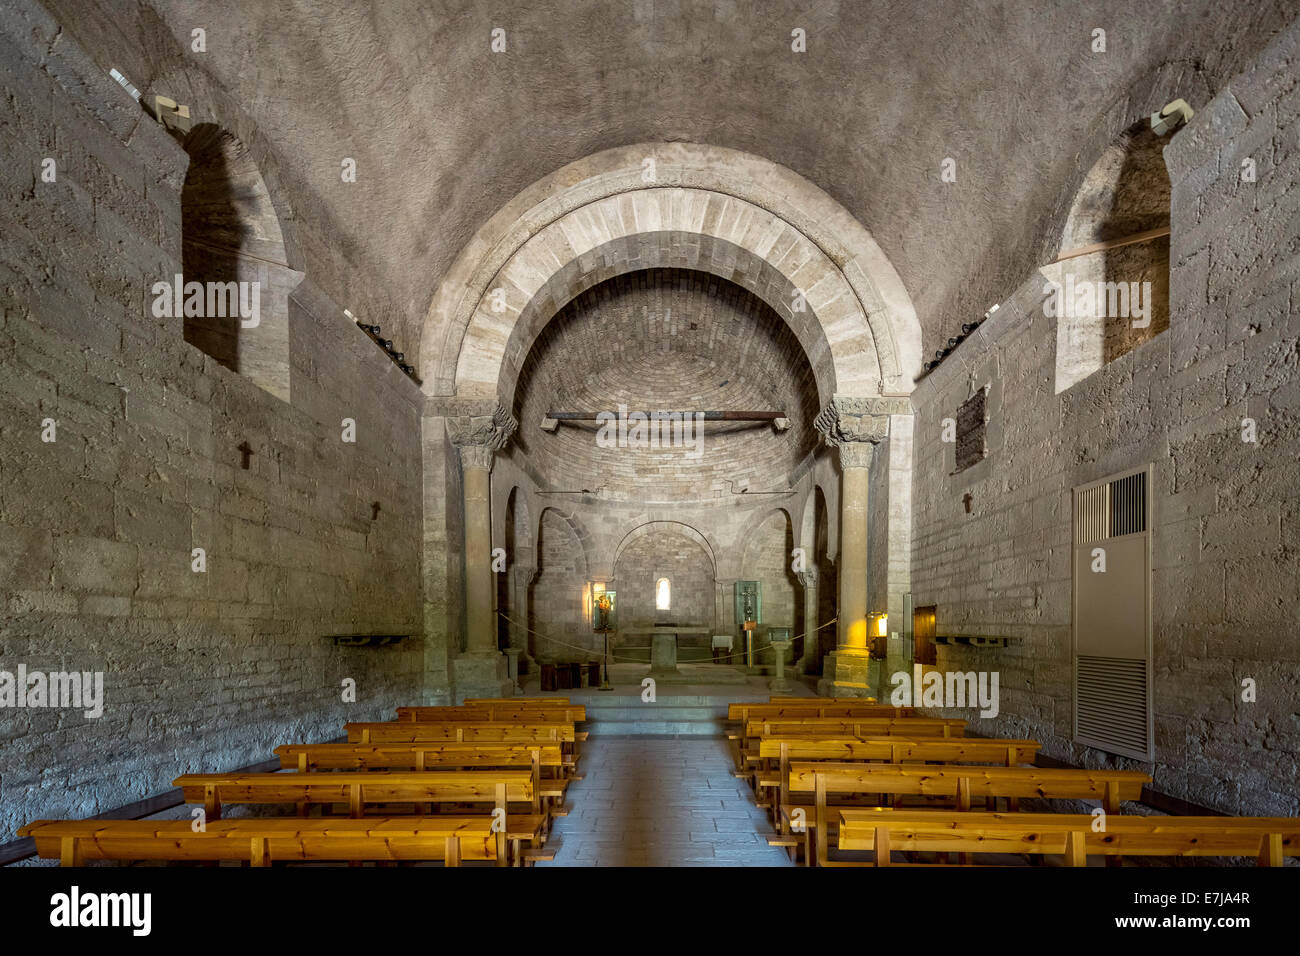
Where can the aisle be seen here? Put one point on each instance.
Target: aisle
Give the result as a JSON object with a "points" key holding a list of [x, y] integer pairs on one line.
{"points": [[656, 801]]}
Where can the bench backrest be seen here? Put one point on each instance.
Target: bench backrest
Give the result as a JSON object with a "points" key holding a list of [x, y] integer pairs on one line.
{"points": [[899, 749], [552, 713], [259, 840], [1269, 839], [496, 731], [517, 700], [816, 708], [962, 783], [857, 727], [359, 789], [416, 756]]}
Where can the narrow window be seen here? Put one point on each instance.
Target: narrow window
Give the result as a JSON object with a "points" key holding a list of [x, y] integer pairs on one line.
{"points": [[971, 421], [663, 595]]}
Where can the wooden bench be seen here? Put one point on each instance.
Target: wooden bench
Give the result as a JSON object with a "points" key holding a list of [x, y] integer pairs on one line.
{"points": [[958, 784], [816, 707], [476, 732], [1268, 839], [259, 842], [856, 727], [516, 700], [799, 708], [775, 699], [429, 755], [499, 788], [985, 750], [551, 713], [843, 727]]}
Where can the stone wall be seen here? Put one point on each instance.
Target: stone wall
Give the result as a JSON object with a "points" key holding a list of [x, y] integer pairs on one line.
{"points": [[1224, 511], [202, 671], [689, 570]]}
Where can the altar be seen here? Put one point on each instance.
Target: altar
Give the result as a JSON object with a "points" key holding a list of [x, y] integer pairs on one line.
{"points": [[663, 645]]}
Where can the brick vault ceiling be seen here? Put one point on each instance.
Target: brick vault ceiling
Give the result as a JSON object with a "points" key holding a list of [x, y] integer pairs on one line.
{"points": [[445, 132]]}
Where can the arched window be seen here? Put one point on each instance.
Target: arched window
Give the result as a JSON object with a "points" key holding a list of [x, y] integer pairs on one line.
{"points": [[663, 595], [232, 246], [1111, 274]]}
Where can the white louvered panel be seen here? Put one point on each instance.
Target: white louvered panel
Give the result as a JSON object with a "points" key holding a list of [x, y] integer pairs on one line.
{"points": [[1111, 709], [1092, 514], [1112, 608]]}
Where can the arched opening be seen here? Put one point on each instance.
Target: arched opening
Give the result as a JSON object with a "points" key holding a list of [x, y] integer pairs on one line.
{"points": [[827, 583], [1109, 287], [232, 246], [663, 595]]}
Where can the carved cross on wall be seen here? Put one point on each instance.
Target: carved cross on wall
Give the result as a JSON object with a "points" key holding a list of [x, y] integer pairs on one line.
{"points": [[374, 511], [247, 453], [966, 499]]}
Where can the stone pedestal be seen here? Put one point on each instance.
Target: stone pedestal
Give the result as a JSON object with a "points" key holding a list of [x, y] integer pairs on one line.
{"points": [[482, 675], [778, 684], [845, 673]]}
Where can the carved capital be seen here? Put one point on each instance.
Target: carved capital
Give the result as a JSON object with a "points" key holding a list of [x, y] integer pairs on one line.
{"points": [[808, 578], [856, 454], [475, 456], [849, 419], [491, 428]]}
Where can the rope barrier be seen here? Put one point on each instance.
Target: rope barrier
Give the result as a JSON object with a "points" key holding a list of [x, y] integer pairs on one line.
{"points": [[633, 660]]}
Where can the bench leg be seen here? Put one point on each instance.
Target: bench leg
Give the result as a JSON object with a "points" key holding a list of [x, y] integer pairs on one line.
{"points": [[1076, 852], [1270, 850], [451, 852], [70, 852], [259, 853]]}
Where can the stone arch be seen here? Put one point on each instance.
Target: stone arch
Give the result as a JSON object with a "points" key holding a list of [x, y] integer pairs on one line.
{"points": [[761, 518], [705, 541], [232, 244], [1120, 189], [738, 210]]}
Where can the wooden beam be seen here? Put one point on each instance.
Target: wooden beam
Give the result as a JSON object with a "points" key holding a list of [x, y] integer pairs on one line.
{"points": [[1113, 244], [712, 416]]}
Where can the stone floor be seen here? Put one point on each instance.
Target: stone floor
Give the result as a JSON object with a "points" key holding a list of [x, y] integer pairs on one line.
{"points": [[661, 801]]}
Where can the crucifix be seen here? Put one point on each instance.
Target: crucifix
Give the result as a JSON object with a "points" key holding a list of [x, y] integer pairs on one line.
{"points": [[247, 452], [374, 511]]}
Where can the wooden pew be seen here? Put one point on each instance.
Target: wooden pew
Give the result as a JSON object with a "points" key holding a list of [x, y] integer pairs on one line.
{"points": [[843, 727], [985, 750], [439, 756], [832, 700], [991, 750], [506, 732], [551, 713], [857, 727], [429, 755], [803, 707], [259, 842], [1268, 839], [516, 700], [499, 788], [816, 707], [953, 782]]}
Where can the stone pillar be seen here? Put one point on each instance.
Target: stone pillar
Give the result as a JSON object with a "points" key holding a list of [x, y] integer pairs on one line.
{"points": [[482, 671], [854, 426], [811, 636]]}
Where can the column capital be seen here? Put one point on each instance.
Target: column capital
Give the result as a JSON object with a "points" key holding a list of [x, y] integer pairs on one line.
{"points": [[488, 427], [808, 577], [849, 419]]}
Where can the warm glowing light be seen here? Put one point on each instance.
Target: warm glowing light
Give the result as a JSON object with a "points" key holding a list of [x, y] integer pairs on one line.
{"points": [[663, 595], [882, 625]]}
